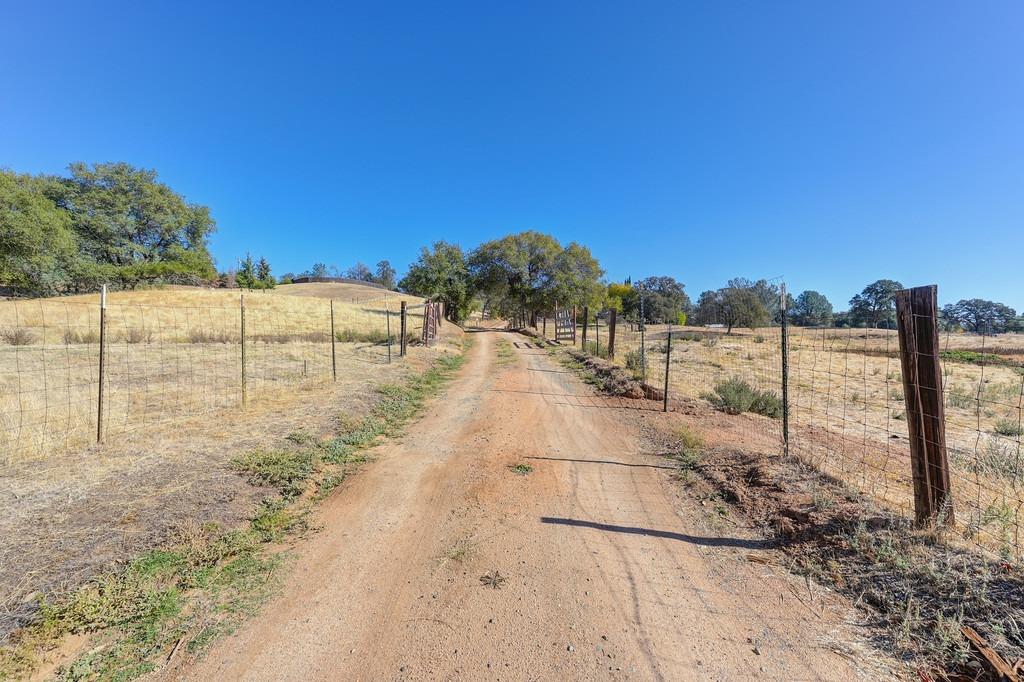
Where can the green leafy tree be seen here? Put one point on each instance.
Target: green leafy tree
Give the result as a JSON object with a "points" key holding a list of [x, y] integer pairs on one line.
{"points": [[875, 306], [441, 272], [124, 218], [664, 299], [385, 275], [812, 309], [616, 295], [38, 251], [981, 316], [531, 270], [732, 307]]}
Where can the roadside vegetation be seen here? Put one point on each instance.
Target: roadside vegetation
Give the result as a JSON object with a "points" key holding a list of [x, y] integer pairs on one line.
{"points": [[206, 580], [735, 396], [919, 588]]}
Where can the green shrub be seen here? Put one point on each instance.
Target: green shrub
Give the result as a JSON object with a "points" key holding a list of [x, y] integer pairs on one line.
{"points": [[634, 360], [1008, 427], [735, 396]]}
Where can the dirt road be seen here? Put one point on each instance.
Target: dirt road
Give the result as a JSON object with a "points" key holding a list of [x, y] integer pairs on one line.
{"points": [[608, 570]]}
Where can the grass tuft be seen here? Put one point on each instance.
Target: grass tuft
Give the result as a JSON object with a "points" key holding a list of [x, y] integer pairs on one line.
{"points": [[286, 470]]}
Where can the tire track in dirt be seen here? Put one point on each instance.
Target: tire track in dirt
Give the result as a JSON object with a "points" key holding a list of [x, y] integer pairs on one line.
{"points": [[611, 571]]}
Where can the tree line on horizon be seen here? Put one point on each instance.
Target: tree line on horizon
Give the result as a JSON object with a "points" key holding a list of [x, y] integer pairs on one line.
{"points": [[115, 224]]}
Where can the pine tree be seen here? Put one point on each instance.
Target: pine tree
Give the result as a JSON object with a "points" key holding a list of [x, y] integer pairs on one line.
{"points": [[246, 277], [263, 276]]}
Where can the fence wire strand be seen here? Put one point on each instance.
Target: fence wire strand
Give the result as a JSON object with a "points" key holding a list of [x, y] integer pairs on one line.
{"points": [[848, 412], [164, 362]]}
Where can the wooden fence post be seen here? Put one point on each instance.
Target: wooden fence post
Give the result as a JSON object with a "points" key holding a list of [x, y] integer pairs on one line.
{"points": [[611, 334], [245, 397], [334, 356], [574, 325], [917, 320], [586, 316], [103, 363], [402, 331]]}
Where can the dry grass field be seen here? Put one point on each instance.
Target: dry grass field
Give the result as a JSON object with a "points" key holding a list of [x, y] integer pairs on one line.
{"points": [[175, 352], [848, 412]]}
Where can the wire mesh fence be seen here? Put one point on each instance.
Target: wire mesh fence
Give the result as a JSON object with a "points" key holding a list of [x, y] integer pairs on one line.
{"points": [[161, 362], [847, 406]]}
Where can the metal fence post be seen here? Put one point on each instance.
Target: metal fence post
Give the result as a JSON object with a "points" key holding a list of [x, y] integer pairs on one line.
{"points": [[245, 397], [668, 358], [103, 363], [574, 325], [785, 373], [387, 315], [917, 314], [402, 330], [597, 335], [334, 355], [643, 345], [611, 333]]}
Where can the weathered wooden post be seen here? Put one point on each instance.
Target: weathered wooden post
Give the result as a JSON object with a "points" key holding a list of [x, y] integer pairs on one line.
{"points": [[245, 397], [611, 334], [402, 330], [103, 363], [586, 316], [334, 356], [917, 316], [574, 325]]}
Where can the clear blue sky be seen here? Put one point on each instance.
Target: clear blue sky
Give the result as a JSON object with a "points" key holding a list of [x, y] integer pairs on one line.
{"points": [[833, 143]]}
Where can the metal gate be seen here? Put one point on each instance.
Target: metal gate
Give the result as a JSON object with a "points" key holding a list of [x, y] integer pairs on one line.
{"points": [[431, 317], [565, 324]]}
